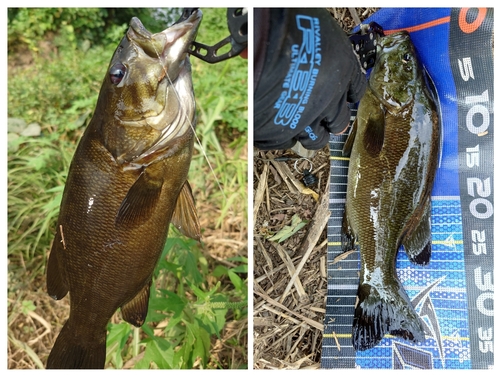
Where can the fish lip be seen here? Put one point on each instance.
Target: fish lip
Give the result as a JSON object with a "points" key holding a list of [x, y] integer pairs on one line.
{"points": [[184, 29], [161, 44]]}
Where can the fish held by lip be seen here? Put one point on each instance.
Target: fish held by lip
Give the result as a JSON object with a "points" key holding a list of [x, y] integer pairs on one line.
{"points": [[394, 147], [127, 182]]}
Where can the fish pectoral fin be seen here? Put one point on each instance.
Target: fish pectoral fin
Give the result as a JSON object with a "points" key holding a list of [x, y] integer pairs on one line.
{"points": [[141, 200], [185, 217], [373, 138], [346, 151], [378, 313], [135, 310], [417, 242], [56, 286]]}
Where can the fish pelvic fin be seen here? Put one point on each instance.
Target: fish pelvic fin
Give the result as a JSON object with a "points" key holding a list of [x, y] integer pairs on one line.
{"points": [[347, 236], [418, 241], [185, 217], [141, 200], [56, 286], [349, 143], [72, 352], [136, 310], [376, 315]]}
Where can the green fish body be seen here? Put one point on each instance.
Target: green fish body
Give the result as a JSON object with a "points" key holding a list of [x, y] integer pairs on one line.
{"points": [[127, 182], [394, 150]]}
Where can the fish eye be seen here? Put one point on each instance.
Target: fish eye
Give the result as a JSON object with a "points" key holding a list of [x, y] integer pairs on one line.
{"points": [[407, 58], [116, 73]]}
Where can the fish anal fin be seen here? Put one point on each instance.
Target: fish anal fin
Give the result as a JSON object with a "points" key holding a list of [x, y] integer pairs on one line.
{"points": [[141, 200], [135, 310], [417, 240], [185, 217], [377, 314], [373, 137], [346, 151], [56, 286]]}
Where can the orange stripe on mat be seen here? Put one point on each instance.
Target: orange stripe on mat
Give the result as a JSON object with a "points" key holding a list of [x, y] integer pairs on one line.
{"points": [[422, 26]]}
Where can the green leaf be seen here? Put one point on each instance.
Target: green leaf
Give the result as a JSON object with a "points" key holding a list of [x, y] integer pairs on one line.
{"points": [[115, 342], [159, 351], [289, 230], [243, 268], [212, 313], [198, 292], [238, 259], [174, 303], [190, 268], [54, 203], [236, 280], [182, 357], [220, 271], [172, 267], [27, 306], [201, 348], [167, 301]]}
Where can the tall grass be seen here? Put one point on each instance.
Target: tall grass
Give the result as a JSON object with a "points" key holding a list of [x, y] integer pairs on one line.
{"points": [[195, 297]]}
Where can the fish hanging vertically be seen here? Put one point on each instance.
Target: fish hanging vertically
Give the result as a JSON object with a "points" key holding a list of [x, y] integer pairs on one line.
{"points": [[127, 182]]}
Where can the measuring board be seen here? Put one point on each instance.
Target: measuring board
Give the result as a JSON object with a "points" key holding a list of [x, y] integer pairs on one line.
{"points": [[453, 295]]}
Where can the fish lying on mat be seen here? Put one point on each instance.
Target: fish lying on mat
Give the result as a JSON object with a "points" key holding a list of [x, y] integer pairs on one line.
{"points": [[394, 147], [126, 183]]}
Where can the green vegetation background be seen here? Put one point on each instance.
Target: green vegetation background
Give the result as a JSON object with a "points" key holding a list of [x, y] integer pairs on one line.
{"points": [[57, 60]]}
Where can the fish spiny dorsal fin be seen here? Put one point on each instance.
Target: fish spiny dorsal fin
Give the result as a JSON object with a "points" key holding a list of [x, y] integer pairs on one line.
{"points": [[185, 217], [140, 201]]}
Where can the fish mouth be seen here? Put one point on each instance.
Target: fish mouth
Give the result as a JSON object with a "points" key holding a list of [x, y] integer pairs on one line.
{"points": [[170, 44], [176, 115]]}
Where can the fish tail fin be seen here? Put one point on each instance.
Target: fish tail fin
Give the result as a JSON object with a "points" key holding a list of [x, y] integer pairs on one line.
{"points": [[379, 313], [70, 351]]}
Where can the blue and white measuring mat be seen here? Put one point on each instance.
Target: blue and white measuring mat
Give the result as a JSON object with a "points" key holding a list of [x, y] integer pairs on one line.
{"points": [[453, 294]]}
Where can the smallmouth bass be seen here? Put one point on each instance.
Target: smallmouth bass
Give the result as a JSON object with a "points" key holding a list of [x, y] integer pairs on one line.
{"points": [[127, 182], [394, 148]]}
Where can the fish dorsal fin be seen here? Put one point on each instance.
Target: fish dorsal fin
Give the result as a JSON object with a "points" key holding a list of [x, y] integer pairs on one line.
{"points": [[185, 217], [346, 151], [140, 201], [373, 138]]}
